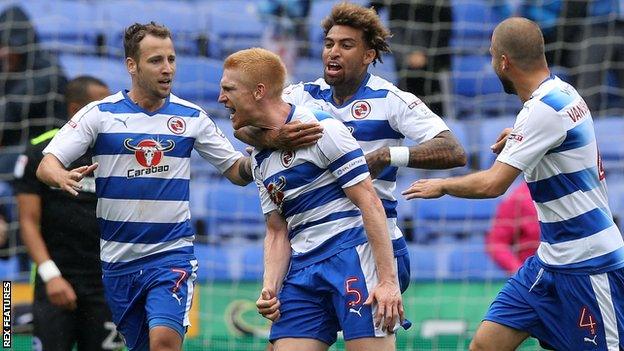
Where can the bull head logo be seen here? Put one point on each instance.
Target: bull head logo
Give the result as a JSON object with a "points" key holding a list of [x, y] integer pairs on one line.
{"points": [[148, 152]]}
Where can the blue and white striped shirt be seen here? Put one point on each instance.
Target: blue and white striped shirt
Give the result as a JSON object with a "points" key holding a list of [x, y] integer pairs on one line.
{"points": [[142, 181], [378, 115], [553, 142], [306, 187]]}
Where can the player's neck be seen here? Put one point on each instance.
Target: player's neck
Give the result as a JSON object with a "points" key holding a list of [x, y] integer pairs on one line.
{"points": [[273, 115], [148, 103], [345, 91], [529, 83]]}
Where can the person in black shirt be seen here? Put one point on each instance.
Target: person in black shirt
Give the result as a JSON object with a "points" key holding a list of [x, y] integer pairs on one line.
{"points": [[61, 234]]}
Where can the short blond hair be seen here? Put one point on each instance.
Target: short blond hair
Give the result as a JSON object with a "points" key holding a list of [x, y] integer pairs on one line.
{"points": [[259, 66]]}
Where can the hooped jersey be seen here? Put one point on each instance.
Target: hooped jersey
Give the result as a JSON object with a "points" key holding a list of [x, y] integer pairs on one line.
{"points": [[378, 115], [306, 187], [553, 143], [142, 181]]}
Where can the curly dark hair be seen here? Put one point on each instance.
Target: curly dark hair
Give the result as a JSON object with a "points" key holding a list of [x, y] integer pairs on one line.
{"points": [[136, 32], [358, 17]]}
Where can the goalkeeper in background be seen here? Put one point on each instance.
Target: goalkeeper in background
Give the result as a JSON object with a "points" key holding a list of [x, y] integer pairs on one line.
{"points": [[61, 234], [570, 294]]}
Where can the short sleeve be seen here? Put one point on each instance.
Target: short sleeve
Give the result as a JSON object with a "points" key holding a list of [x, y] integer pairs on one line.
{"points": [[212, 145], [344, 156], [533, 135], [265, 200], [76, 136], [412, 118]]}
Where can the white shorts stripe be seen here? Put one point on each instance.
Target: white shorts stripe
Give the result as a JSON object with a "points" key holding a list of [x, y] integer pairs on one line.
{"points": [[600, 284], [367, 263], [190, 283]]}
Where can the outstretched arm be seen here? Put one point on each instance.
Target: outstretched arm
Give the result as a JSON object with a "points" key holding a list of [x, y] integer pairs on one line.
{"points": [[240, 172], [441, 152], [484, 184], [290, 136], [52, 172]]}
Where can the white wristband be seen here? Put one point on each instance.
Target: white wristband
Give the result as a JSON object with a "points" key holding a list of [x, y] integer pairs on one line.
{"points": [[48, 270], [399, 156]]}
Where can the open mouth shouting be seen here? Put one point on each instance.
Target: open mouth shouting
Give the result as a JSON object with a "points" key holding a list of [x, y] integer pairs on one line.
{"points": [[333, 68]]}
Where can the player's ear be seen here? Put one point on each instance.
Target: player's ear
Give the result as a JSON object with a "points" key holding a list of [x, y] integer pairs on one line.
{"points": [[505, 62], [260, 91], [131, 65], [369, 56]]}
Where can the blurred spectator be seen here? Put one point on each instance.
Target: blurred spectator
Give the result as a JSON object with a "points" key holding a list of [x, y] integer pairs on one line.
{"points": [[31, 82], [422, 33], [515, 233], [601, 53], [286, 33]]}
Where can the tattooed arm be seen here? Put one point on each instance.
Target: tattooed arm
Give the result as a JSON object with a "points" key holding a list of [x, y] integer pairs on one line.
{"points": [[441, 152]]}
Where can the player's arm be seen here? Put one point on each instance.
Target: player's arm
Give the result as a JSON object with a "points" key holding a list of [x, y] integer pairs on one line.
{"points": [[240, 172], [276, 261], [52, 172], [484, 184], [290, 136], [71, 142], [59, 291], [387, 293], [499, 144], [441, 152]]}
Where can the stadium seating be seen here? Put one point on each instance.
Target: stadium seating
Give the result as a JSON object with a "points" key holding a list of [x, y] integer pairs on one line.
{"points": [[609, 132], [231, 25], [197, 78], [181, 19], [307, 69], [489, 129], [476, 89], [470, 261], [68, 26], [9, 268], [233, 211], [111, 70], [451, 216], [386, 69], [473, 23], [215, 262]]}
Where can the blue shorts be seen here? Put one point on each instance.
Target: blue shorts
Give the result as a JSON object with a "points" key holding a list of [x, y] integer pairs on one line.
{"points": [[151, 297], [319, 300], [563, 311]]}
